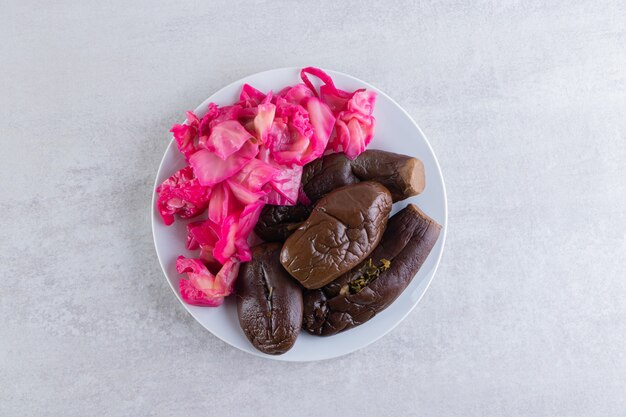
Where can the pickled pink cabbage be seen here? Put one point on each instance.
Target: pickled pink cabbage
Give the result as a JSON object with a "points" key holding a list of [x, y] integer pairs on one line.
{"points": [[257, 173], [285, 187], [354, 127], [182, 194], [202, 287], [205, 235], [233, 240], [322, 121], [250, 96], [227, 137], [185, 136], [263, 121], [222, 203], [211, 169], [248, 154], [293, 138], [297, 94], [192, 243]]}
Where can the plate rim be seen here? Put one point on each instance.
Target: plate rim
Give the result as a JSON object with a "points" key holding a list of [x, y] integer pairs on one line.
{"points": [[397, 322]]}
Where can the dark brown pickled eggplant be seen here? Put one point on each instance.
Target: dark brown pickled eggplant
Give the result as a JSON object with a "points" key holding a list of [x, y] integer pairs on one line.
{"points": [[276, 223], [344, 228], [357, 296], [269, 301], [323, 175], [402, 175]]}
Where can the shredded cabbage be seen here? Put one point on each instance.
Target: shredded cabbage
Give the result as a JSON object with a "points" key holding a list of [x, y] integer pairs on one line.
{"points": [[263, 121], [227, 137], [201, 286], [354, 127], [248, 154], [250, 96], [211, 169], [222, 203], [182, 194]]}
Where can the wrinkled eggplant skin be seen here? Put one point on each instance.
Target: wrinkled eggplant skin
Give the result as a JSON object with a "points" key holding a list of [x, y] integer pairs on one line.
{"points": [[276, 223], [402, 175], [407, 241], [343, 229], [323, 175], [269, 301]]}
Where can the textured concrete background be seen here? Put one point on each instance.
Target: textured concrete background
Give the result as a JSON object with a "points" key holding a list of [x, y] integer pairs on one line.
{"points": [[524, 104]]}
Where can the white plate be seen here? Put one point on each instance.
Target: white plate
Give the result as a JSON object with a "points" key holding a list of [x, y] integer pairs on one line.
{"points": [[395, 131]]}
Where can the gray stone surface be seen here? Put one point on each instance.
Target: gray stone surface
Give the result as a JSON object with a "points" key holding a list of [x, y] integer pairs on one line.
{"points": [[524, 104]]}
